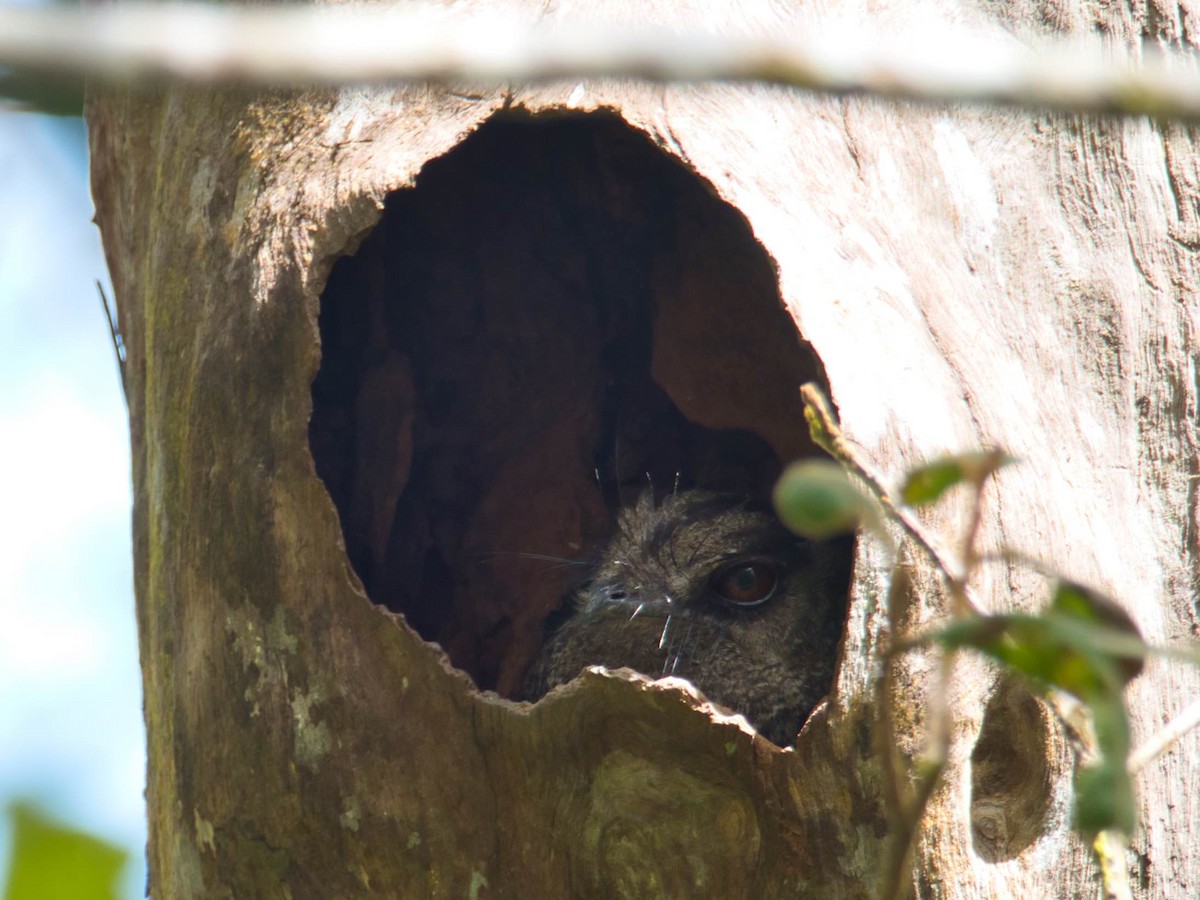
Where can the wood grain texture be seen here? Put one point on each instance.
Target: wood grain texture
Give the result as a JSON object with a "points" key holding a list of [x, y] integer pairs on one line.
{"points": [[965, 276]]}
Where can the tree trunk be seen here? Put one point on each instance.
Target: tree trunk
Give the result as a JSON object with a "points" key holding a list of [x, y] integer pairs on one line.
{"points": [[359, 363]]}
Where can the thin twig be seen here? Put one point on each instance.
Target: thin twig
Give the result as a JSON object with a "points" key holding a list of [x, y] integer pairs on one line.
{"points": [[284, 45], [1159, 743], [968, 553], [895, 779], [896, 886], [907, 814], [840, 449], [1109, 847], [896, 883], [1013, 556], [117, 341], [899, 887]]}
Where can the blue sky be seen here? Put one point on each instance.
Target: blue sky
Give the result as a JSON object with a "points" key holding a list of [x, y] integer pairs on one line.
{"points": [[70, 691]]}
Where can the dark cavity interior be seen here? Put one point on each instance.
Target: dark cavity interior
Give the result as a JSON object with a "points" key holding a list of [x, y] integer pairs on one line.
{"points": [[556, 317]]}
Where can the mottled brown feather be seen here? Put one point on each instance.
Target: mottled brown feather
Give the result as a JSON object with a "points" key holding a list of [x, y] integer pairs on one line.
{"points": [[772, 662]]}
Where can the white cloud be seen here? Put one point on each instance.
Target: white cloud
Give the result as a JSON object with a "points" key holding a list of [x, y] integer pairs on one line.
{"points": [[66, 467]]}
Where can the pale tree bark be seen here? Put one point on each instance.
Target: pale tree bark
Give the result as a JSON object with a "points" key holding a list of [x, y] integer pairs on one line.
{"points": [[958, 277]]}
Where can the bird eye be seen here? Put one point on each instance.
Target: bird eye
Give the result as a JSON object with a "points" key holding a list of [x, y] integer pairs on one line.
{"points": [[746, 584]]}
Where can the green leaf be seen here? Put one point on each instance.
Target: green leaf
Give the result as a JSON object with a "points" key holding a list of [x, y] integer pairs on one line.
{"points": [[1036, 648], [50, 860], [1087, 645], [816, 499], [1104, 798], [1048, 649], [1070, 647], [820, 418], [1111, 725], [926, 483], [1113, 631]]}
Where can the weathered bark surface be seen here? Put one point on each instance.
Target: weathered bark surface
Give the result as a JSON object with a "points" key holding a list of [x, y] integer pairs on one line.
{"points": [[964, 276]]}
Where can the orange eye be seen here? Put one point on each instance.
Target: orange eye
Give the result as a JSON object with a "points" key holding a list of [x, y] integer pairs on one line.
{"points": [[748, 584]]}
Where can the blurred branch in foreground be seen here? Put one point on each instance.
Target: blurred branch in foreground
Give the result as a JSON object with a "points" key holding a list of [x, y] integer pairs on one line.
{"points": [[294, 46], [58, 95]]}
